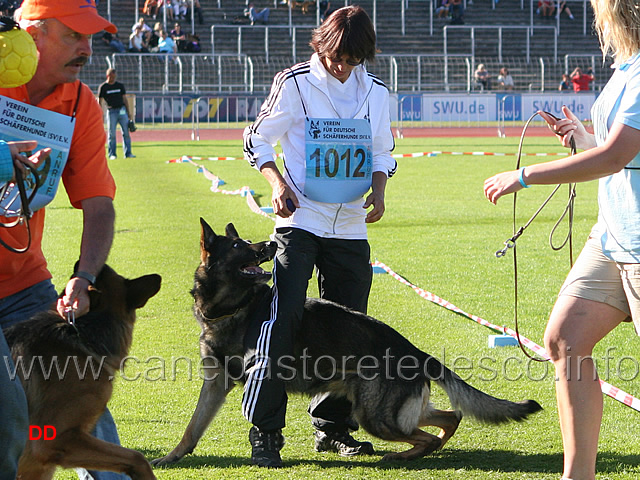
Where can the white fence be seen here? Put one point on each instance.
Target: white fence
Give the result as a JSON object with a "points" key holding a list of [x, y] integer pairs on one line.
{"points": [[200, 74]]}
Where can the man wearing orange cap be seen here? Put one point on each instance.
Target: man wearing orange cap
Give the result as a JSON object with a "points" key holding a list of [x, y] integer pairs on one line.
{"points": [[62, 32]]}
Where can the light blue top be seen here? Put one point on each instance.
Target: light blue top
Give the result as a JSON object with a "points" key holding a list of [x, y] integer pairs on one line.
{"points": [[166, 45], [619, 194], [6, 163]]}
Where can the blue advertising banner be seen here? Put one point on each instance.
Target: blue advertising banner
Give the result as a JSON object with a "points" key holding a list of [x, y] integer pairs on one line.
{"points": [[510, 105], [431, 107], [489, 107]]}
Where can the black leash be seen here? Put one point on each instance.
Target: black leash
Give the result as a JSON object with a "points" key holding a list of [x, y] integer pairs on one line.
{"points": [[511, 242], [25, 213]]}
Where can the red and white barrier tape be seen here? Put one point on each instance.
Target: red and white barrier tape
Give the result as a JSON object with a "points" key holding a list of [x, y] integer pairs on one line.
{"points": [[186, 158], [243, 191], [606, 388], [497, 154]]}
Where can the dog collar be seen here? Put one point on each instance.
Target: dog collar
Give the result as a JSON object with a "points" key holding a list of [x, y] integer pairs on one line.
{"points": [[216, 319]]}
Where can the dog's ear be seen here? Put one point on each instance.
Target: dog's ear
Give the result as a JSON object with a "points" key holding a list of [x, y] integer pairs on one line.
{"points": [[142, 289], [207, 237], [231, 231]]}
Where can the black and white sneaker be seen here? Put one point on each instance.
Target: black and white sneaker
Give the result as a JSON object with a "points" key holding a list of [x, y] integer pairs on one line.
{"points": [[265, 448], [342, 443]]}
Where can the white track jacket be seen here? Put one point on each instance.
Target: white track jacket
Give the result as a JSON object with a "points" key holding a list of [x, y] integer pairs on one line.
{"points": [[282, 118]]}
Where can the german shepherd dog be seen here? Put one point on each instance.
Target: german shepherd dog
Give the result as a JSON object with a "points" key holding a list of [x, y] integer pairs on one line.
{"points": [[390, 396], [71, 396]]}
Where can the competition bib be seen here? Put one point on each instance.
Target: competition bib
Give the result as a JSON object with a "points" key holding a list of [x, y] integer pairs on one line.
{"points": [[21, 121], [338, 159]]}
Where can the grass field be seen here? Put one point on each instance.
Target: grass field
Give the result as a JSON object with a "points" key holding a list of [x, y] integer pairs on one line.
{"points": [[438, 231]]}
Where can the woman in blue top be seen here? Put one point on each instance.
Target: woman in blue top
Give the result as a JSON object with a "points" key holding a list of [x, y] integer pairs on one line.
{"points": [[603, 288]]}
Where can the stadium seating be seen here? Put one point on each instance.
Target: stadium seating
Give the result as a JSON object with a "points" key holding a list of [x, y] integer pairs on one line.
{"points": [[421, 37]]}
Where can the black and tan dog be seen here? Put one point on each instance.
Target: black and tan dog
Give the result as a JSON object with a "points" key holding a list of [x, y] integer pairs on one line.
{"points": [[386, 378], [67, 372]]}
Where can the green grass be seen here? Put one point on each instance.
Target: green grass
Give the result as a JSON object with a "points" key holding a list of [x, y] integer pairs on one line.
{"points": [[438, 231]]}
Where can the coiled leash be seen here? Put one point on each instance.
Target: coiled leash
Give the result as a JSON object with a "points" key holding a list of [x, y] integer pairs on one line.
{"points": [[511, 242], [25, 212]]}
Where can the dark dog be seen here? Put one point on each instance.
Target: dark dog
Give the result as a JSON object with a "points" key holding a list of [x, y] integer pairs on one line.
{"points": [[337, 350], [72, 396]]}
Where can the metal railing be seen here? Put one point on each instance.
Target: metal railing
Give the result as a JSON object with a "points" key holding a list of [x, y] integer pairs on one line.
{"points": [[200, 74], [529, 30], [190, 72], [257, 36]]}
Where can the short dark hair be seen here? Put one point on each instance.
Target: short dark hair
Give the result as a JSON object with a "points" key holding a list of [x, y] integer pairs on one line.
{"points": [[347, 31]]}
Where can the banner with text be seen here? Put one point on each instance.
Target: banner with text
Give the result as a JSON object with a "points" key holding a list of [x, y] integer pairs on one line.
{"points": [[431, 107]]}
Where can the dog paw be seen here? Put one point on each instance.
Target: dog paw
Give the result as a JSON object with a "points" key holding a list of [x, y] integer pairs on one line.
{"points": [[159, 462], [393, 457]]}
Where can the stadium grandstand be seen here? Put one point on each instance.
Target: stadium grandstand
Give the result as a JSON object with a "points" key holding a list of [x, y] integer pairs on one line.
{"points": [[418, 52]]}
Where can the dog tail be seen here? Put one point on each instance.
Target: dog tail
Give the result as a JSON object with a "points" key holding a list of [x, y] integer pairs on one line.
{"points": [[475, 403]]}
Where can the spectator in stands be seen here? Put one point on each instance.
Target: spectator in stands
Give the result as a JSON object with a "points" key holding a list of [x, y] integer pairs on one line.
{"points": [[146, 29], [154, 38], [197, 10], [456, 11], [565, 84], [565, 8], [180, 8], [164, 7], [443, 10], [257, 16], [193, 43], [505, 80], [581, 80], [325, 10], [602, 289], [166, 43], [138, 41], [150, 8], [114, 42], [546, 8], [179, 37], [304, 6], [482, 77]]}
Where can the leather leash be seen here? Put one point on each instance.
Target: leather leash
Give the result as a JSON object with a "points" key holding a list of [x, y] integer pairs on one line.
{"points": [[511, 242]]}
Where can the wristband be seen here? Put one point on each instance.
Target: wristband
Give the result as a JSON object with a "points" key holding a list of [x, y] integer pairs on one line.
{"points": [[521, 178], [87, 276]]}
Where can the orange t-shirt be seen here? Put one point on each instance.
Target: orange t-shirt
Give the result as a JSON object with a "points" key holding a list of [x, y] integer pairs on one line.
{"points": [[85, 175]]}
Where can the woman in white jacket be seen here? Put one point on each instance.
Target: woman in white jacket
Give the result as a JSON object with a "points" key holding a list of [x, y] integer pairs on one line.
{"points": [[331, 118]]}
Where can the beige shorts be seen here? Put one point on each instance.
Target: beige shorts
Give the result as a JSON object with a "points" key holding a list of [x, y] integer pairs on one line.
{"points": [[596, 277]]}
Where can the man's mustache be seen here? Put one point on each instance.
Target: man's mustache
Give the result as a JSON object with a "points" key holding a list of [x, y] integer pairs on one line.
{"points": [[78, 60]]}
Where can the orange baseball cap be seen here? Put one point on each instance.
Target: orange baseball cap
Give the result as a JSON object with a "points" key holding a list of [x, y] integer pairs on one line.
{"points": [[79, 15]]}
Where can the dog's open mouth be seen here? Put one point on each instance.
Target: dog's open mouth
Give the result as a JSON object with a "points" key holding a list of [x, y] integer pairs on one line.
{"points": [[253, 270]]}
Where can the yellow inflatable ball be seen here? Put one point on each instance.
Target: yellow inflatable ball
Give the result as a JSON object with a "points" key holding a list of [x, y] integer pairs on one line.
{"points": [[18, 58]]}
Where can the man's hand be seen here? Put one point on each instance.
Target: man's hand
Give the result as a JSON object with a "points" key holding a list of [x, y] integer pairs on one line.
{"points": [[76, 296]]}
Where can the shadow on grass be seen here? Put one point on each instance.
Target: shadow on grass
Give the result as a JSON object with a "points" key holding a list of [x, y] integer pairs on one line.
{"points": [[490, 460]]}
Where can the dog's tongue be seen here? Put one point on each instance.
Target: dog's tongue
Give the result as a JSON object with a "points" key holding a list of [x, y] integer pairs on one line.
{"points": [[253, 269]]}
